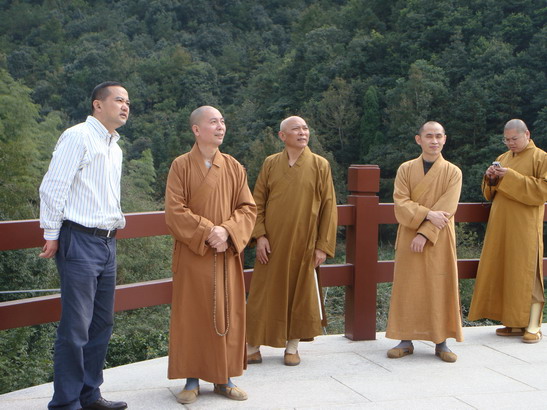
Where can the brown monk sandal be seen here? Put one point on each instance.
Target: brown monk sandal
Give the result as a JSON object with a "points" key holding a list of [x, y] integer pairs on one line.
{"points": [[291, 359], [449, 357], [398, 352], [532, 337], [510, 331], [188, 396], [234, 393], [254, 358]]}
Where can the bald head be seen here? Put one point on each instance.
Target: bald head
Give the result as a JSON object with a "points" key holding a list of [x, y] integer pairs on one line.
{"points": [[207, 124], [517, 125], [198, 114], [289, 120], [430, 124], [294, 133], [516, 135]]}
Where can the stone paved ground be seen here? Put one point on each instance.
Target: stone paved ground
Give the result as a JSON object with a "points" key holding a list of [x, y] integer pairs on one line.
{"points": [[492, 372]]}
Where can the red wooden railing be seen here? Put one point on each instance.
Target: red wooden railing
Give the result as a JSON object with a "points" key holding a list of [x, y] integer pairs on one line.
{"points": [[360, 274]]}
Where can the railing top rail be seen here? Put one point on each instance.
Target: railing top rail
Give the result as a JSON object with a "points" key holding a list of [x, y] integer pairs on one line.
{"points": [[28, 234]]}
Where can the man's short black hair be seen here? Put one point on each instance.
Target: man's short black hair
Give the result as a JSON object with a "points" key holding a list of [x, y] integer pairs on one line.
{"points": [[421, 129], [100, 92]]}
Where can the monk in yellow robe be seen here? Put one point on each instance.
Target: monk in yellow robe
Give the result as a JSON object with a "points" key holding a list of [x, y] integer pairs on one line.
{"points": [[295, 231], [425, 297], [210, 213], [509, 284]]}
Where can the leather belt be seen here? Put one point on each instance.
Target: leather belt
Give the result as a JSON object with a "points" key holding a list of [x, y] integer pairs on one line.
{"points": [[106, 233]]}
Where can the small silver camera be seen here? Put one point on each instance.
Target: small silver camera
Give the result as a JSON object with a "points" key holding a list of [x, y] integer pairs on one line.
{"points": [[496, 164]]}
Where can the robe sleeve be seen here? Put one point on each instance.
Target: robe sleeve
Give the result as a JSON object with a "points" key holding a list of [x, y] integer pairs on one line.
{"points": [[241, 222], [528, 190], [488, 191], [447, 202], [407, 212], [260, 195], [328, 214], [185, 226]]}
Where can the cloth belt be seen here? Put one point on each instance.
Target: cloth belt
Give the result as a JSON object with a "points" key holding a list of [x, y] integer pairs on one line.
{"points": [[106, 233]]}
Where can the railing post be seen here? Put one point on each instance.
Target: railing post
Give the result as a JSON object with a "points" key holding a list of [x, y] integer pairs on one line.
{"points": [[362, 252]]}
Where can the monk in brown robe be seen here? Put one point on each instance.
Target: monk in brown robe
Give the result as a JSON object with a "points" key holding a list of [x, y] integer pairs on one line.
{"points": [[294, 233], [210, 213], [425, 297], [509, 284]]}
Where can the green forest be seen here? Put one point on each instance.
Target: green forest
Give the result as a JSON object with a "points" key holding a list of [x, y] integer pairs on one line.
{"points": [[365, 74]]}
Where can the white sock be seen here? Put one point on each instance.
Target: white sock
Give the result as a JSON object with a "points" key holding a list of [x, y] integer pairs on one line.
{"points": [[252, 349], [535, 316], [292, 346]]}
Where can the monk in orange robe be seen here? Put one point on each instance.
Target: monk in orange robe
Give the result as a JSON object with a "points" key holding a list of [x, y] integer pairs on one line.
{"points": [[210, 213], [425, 297], [295, 231], [509, 284]]}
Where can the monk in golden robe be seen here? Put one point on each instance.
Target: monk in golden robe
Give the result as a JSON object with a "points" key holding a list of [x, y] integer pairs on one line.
{"points": [[425, 297], [509, 284], [210, 213], [295, 231]]}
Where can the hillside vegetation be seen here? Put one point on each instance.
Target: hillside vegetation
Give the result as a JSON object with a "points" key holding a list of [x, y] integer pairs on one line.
{"points": [[363, 73]]}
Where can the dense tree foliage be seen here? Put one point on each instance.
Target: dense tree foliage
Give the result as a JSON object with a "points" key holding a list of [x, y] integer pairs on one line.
{"points": [[365, 74]]}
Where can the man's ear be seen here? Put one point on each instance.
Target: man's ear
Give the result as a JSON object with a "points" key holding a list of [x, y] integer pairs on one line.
{"points": [[97, 104], [417, 138], [195, 129], [281, 135]]}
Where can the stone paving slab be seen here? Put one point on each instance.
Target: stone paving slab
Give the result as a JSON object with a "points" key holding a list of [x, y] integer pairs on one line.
{"points": [[508, 401], [438, 382], [534, 376], [492, 372], [407, 404]]}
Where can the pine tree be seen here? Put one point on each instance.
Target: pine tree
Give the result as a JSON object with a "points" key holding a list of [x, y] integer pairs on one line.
{"points": [[370, 133]]}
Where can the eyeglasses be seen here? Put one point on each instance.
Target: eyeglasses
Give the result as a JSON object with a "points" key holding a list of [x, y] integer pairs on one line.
{"points": [[509, 140]]}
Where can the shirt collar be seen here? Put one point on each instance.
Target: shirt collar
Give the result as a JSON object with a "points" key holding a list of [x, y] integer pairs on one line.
{"points": [[101, 130]]}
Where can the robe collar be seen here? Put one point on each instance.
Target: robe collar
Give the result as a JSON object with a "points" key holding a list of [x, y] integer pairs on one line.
{"points": [[424, 184], [436, 163], [305, 154], [530, 146], [197, 158]]}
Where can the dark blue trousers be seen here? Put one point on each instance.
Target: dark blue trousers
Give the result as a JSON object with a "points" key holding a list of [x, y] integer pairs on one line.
{"points": [[87, 268]]}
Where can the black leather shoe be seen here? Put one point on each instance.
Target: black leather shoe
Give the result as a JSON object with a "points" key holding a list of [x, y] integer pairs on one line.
{"points": [[103, 404]]}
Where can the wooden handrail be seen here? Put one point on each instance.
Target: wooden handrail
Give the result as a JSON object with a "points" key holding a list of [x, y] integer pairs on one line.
{"points": [[360, 274]]}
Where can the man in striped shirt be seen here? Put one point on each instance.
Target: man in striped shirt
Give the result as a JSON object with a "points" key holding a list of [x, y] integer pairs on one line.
{"points": [[80, 213]]}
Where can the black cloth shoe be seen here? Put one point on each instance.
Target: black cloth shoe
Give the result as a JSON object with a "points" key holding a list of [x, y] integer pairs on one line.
{"points": [[103, 404]]}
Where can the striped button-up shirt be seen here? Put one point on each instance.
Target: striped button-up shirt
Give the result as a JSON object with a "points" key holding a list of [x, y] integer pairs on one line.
{"points": [[82, 183]]}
